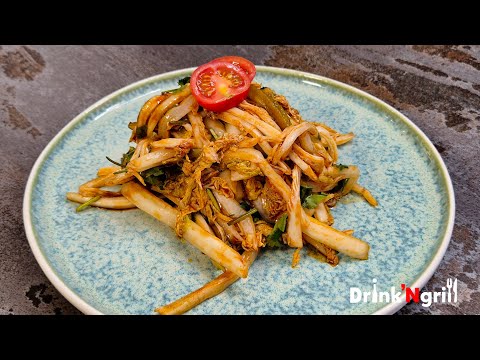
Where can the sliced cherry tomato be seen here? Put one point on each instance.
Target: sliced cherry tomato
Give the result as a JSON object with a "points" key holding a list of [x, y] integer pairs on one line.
{"points": [[219, 85], [245, 64]]}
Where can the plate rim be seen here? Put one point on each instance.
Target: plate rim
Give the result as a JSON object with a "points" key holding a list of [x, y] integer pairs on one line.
{"points": [[88, 309]]}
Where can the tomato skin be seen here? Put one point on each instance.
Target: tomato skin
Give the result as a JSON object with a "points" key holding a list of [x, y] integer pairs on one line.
{"points": [[245, 64], [219, 86]]}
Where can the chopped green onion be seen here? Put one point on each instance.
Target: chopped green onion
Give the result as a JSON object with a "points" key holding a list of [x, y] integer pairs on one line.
{"points": [[242, 217], [265, 97], [182, 121], [213, 199], [113, 161], [341, 166], [120, 171], [215, 136], [87, 203]]}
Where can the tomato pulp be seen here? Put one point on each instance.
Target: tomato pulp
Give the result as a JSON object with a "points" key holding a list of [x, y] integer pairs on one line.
{"points": [[241, 62]]}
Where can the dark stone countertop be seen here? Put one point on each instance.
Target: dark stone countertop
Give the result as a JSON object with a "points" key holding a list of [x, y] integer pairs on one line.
{"points": [[43, 87]]}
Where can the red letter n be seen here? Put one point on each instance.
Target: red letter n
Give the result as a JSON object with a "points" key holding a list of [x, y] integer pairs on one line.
{"points": [[411, 295]]}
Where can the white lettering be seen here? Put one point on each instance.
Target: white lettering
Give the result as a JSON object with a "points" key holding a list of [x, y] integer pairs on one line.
{"points": [[395, 296], [355, 295], [383, 296], [374, 293], [426, 298]]}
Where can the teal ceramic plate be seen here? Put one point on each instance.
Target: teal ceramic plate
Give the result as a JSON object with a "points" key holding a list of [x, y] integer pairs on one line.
{"points": [[126, 262]]}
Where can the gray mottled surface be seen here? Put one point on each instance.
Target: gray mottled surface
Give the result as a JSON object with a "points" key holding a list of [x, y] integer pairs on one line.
{"points": [[44, 87]]}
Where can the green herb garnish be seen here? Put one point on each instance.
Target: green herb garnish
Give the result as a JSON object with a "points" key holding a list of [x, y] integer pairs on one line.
{"points": [[125, 159], [305, 191], [341, 166], [120, 171], [242, 217], [153, 176], [312, 201], [127, 156], [141, 132], [184, 81], [255, 215], [274, 240], [113, 162], [340, 186], [245, 205], [87, 203], [174, 91]]}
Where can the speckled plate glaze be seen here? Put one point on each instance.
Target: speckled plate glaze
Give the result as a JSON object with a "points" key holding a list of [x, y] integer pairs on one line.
{"points": [[126, 262]]}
